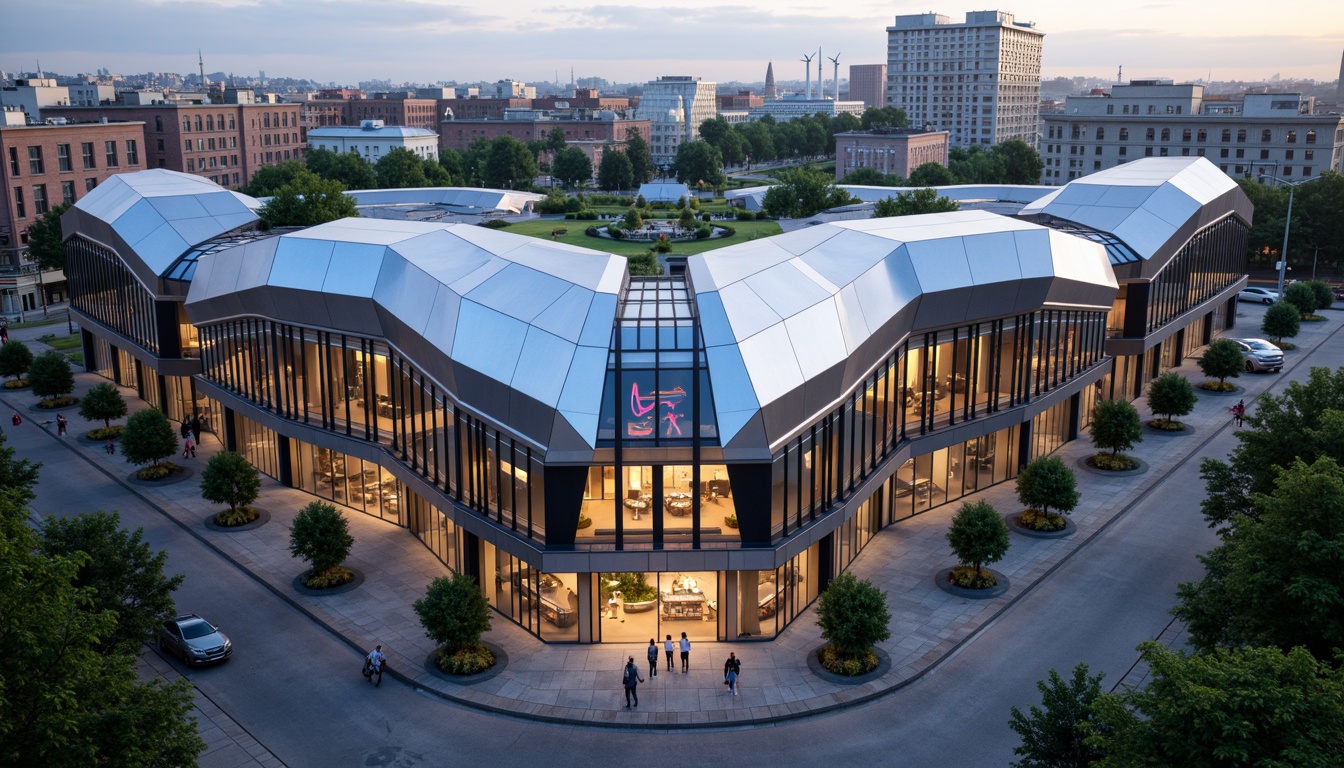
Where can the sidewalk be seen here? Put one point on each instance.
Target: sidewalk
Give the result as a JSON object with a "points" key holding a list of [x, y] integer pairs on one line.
{"points": [[579, 684]]}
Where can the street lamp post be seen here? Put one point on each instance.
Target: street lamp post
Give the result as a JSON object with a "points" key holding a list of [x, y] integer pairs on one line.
{"points": [[1287, 223]]}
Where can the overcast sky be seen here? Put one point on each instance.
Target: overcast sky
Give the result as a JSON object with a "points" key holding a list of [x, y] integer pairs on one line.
{"points": [[722, 40]]}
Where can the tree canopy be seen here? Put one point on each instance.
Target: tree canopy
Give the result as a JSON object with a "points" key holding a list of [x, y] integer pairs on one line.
{"points": [[698, 161], [49, 375], [802, 192], [351, 170], [1047, 483], [15, 358], [615, 171], [883, 117], [1171, 395], [1115, 426], [45, 244], [454, 611], [401, 168], [509, 165], [915, 201], [1054, 734], [102, 403], [572, 166], [307, 201], [1222, 360], [321, 536], [931, 175], [978, 535], [230, 479], [637, 152], [148, 437], [270, 178], [1282, 321], [853, 614]]}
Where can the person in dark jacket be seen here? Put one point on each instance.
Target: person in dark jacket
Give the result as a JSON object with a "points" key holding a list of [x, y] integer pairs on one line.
{"points": [[653, 658], [731, 668], [630, 679]]}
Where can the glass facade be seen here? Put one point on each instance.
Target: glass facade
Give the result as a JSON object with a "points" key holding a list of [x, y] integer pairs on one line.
{"points": [[1213, 260], [105, 290]]}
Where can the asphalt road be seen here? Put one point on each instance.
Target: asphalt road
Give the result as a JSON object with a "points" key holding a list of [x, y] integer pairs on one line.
{"points": [[298, 691]]}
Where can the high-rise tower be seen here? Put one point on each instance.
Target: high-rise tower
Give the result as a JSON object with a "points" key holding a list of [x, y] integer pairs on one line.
{"points": [[771, 93]]}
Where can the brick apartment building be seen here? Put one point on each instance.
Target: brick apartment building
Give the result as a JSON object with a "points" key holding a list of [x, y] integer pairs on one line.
{"points": [[889, 150], [583, 98], [459, 134], [395, 109], [44, 166], [739, 100], [226, 143]]}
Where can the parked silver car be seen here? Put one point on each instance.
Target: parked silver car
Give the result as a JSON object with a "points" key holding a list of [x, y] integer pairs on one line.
{"points": [[1261, 295], [1260, 355], [194, 640]]}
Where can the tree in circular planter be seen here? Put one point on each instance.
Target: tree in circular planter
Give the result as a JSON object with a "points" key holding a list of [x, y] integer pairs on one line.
{"points": [[853, 617], [1325, 295], [1282, 321], [103, 403], [230, 479], [978, 537], [1301, 295], [455, 614], [1221, 360], [50, 378], [1115, 428], [15, 357], [1170, 395], [148, 438], [321, 537], [1046, 483]]}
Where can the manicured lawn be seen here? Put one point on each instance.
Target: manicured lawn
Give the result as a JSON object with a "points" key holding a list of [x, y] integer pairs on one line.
{"points": [[746, 230], [36, 323], [61, 342]]}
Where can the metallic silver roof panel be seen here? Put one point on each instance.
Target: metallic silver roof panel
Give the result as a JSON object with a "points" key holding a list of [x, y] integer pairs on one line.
{"points": [[567, 315], [301, 263], [353, 269], [817, 339], [493, 344], [406, 287], [747, 312], [520, 292], [786, 290], [544, 355]]}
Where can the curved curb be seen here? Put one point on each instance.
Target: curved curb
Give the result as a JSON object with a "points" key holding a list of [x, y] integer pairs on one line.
{"points": [[940, 578], [501, 663], [181, 474], [348, 586], [1237, 389], [263, 517], [814, 666], [1068, 530], [1139, 470], [1148, 429]]}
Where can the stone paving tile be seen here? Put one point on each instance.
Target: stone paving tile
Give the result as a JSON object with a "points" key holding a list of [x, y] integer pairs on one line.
{"points": [[578, 683]]}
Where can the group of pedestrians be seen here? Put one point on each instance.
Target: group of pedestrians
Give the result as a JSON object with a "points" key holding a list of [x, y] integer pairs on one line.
{"points": [[630, 677], [191, 436]]}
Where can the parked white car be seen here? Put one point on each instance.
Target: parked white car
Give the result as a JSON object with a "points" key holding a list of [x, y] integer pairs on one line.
{"points": [[1260, 355], [1261, 295]]}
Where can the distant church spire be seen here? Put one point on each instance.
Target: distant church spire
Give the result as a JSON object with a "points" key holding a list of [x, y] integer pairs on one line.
{"points": [[770, 92], [200, 59], [1339, 87]]}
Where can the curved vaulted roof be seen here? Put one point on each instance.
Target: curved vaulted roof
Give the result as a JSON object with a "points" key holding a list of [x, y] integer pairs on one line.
{"points": [[465, 198], [792, 322], [1152, 205], [517, 328], [153, 217]]}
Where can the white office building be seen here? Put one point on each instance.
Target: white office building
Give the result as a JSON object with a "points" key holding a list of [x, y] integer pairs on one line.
{"points": [[372, 140], [784, 110], [979, 80], [1262, 134], [675, 106]]}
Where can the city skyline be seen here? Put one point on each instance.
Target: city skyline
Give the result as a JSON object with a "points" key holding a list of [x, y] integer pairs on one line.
{"points": [[435, 40]]}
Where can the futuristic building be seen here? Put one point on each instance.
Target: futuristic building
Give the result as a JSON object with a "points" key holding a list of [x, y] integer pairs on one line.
{"points": [[697, 453]]}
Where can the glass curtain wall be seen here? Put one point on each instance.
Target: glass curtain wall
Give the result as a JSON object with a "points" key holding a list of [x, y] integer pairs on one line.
{"points": [[1211, 261], [105, 290]]}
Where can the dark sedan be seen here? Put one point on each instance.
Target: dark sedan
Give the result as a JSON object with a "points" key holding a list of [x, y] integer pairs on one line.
{"points": [[194, 640]]}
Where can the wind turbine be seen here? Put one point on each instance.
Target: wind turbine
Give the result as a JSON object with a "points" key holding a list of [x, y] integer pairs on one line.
{"points": [[836, 62], [821, 90], [807, 70]]}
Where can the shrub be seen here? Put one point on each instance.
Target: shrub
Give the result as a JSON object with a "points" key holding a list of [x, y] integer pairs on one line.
{"points": [[681, 202], [978, 535], [148, 437], [1112, 462], [705, 217], [1282, 321], [15, 357], [233, 517], [1115, 426], [631, 585], [454, 612], [641, 202], [1047, 483], [662, 245], [853, 615], [113, 432], [320, 536], [703, 232], [1303, 297], [495, 224], [1222, 360], [1171, 395], [157, 471], [616, 232], [229, 479], [730, 520], [50, 375], [584, 521], [103, 403], [332, 577], [58, 401], [1325, 296], [849, 665], [468, 660], [1039, 520], [967, 577], [16, 383], [745, 215]]}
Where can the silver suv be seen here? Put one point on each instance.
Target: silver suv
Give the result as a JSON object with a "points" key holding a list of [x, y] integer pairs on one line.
{"points": [[1260, 355], [193, 639]]}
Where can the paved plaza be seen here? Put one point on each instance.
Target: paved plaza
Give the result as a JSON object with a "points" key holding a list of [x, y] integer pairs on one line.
{"points": [[579, 684]]}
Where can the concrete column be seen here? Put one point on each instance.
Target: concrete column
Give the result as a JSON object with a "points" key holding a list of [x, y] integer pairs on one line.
{"points": [[749, 587], [728, 605], [585, 617]]}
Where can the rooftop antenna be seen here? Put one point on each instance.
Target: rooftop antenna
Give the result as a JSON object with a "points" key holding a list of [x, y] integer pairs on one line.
{"points": [[807, 70], [836, 62]]}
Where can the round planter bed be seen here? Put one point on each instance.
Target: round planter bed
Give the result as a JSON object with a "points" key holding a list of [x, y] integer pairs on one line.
{"points": [[1016, 527], [940, 578], [641, 607], [38, 407], [88, 437], [263, 517], [501, 661], [1149, 429], [1142, 466], [180, 474], [1235, 390], [814, 666], [352, 584]]}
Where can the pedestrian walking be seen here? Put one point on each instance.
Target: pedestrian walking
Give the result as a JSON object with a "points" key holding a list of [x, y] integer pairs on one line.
{"points": [[196, 429], [731, 668], [109, 447], [667, 646], [630, 679], [188, 448], [685, 653], [60, 425], [1238, 411], [653, 658], [185, 430], [16, 420], [373, 665]]}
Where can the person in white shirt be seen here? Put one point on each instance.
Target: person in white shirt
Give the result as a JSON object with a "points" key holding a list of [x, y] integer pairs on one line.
{"points": [[685, 653], [373, 665], [667, 647]]}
